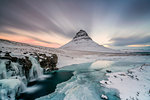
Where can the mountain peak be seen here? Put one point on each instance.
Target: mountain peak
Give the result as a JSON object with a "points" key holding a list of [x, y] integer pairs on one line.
{"points": [[81, 35], [83, 42]]}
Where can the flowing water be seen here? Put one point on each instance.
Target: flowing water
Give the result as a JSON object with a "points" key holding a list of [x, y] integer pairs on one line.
{"points": [[84, 84]]}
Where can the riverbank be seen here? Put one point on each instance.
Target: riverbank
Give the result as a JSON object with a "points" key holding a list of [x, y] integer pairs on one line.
{"points": [[132, 85]]}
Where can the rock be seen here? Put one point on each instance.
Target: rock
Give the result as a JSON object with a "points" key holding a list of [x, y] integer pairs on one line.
{"points": [[82, 34], [9, 57], [108, 71], [55, 68], [25, 53], [47, 62], [27, 66], [104, 97], [54, 60], [7, 54], [14, 59]]}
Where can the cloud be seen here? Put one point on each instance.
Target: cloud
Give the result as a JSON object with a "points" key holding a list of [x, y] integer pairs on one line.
{"points": [[66, 17], [5, 31], [133, 40], [37, 39], [45, 16]]}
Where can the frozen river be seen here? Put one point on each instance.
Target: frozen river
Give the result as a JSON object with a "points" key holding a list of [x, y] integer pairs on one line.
{"points": [[85, 82]]}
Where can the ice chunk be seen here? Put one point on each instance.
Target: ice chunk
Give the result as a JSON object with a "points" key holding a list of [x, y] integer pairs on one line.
{"points": [[10, 88]]}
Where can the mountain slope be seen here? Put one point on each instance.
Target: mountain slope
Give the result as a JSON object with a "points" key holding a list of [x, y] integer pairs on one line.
{"points": [[83, 42]]}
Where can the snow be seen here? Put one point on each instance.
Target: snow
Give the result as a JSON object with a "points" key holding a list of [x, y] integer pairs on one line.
{"points": [[133, 85], [104, 97], [83, 42], [86, 45], [77, 88], [9, 88], [78, 55]]}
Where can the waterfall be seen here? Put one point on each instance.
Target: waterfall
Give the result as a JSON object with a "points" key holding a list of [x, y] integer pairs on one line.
{"points": [[36, 70], [3, 71]]}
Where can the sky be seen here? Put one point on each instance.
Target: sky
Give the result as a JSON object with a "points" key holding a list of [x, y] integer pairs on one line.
{"points": [[53, 23]]}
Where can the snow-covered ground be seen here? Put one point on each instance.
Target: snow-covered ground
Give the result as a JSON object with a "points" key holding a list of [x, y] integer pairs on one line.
{"points": [[133, 85], [66, 57]]}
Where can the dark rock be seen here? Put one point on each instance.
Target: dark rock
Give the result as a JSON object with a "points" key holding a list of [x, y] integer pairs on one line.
{"points": [[7, 54], [82, 34], [54, 60], [108, 71], [9, 57], [25, 53], [55, 68], [14, 59], [27, 64], [47, 62]]}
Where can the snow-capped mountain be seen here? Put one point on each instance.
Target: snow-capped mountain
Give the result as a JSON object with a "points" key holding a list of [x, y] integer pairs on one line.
{"points": [[83, 42]]}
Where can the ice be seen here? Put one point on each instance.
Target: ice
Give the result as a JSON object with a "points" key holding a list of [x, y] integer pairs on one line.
{"points": [[74, 90], [32, 89], [84, 85], [10, 88], [3, 70], [101, 64]]}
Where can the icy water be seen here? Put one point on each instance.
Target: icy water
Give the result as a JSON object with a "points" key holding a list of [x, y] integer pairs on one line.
{"points": [[84, 84], [45, 85]]}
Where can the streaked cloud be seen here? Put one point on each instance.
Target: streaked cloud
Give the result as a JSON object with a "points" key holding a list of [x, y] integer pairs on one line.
{"points": [[132, 40], [57, 21]]}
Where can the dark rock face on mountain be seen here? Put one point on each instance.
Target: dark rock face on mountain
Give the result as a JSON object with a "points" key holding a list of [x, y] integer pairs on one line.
{"points": [[82, 42], [81, 35]]}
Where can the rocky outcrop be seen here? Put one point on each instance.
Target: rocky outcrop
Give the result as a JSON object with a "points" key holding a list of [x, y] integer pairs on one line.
{"points": [[21, 69], [16, 66], [9, 57], [26, 66], [47, 62]]}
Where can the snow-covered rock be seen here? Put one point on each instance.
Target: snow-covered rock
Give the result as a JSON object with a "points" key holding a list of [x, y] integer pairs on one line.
{"points": [[83, 42], [16, 70], [10, 88], [104, 97], [133, 85]]}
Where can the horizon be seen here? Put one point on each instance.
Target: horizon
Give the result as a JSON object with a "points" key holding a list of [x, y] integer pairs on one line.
{"points": [[49, 23]]}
